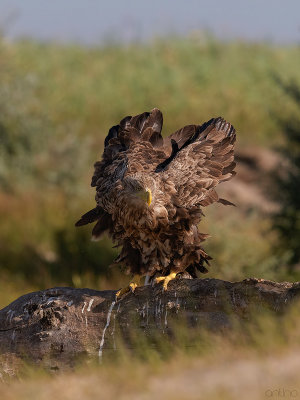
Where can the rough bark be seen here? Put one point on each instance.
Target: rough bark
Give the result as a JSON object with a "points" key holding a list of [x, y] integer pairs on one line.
{"points": [[54, 327]]}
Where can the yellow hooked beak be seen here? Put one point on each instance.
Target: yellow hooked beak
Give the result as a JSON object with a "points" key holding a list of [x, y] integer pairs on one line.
{"points": [[146, 196], [149, 196]]}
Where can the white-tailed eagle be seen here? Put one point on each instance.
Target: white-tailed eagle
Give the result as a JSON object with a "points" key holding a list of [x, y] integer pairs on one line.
{"points": [[150, 192]]}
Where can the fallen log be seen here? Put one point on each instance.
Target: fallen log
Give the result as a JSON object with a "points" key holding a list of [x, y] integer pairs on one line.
{"points": [[53, 327]]}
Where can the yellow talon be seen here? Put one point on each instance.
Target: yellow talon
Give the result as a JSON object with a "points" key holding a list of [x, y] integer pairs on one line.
{"points": [[166, 279], [133, 286], [130, 288]]}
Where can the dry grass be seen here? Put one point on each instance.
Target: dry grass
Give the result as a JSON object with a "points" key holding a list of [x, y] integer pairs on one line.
{"points": [[230, 376], [251, 362]]}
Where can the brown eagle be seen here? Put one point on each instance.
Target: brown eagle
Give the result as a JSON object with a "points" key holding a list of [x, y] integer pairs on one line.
{"points": [[150, 192]]}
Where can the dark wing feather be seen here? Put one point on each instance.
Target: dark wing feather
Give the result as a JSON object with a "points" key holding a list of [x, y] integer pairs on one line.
{"points": [[103, 225], [190, 133], [146, 126], [104, 221], [112, 133], [167, 161], [203, 159], [183, 137], [90, 216]]}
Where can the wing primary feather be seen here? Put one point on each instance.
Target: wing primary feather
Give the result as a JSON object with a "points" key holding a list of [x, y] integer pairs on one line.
{"points": [[112, 133], [226, 202], [102, 226], [90, 216], [175, 150]]}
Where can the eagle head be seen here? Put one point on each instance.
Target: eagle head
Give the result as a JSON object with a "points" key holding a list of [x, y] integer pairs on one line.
{"points": [[138, 190]]}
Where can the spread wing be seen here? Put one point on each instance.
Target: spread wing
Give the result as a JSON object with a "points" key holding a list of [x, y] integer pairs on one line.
{"points": [[146, 126], [195, 159], [201, 158], [118, 157]]}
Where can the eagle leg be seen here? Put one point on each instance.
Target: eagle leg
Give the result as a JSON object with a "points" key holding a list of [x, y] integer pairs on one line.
{"points": [[134, 283], [166, 279]]}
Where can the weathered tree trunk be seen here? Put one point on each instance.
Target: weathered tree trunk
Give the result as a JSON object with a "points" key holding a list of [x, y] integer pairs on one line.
{"points": [[54, 327]]}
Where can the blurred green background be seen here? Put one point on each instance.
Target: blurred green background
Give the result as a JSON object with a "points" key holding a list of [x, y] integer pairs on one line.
{"points": [[57, 102]]}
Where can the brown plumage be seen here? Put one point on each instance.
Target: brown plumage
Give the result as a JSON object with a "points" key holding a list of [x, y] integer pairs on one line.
{"points": [[150, 191]]}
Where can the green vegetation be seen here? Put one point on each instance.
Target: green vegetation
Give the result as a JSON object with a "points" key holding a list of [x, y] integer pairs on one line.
{"points": [[56, 105], [287, 219]]}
